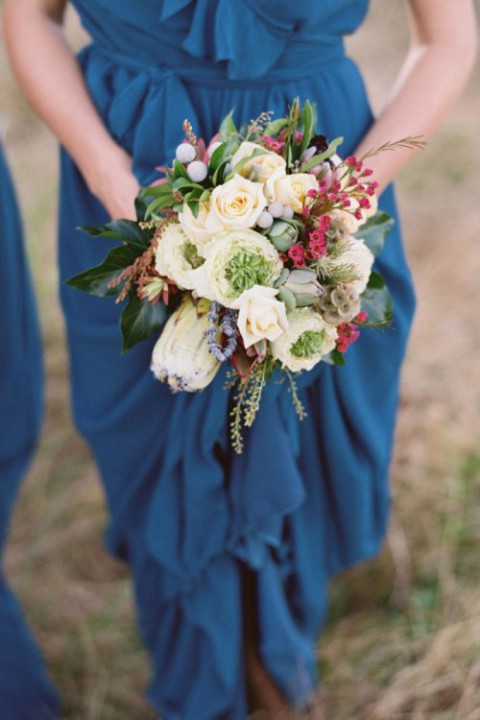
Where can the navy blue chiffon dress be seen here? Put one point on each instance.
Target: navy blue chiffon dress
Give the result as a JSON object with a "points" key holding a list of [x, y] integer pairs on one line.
{"points": [[25, 691], [304, 500]]}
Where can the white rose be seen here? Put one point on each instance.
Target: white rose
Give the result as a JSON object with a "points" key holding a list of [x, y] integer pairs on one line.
{"points": [[362, 259], [236, 260], [235, 205], [292, 190], [265, 168], [308, 339], [173, 256], [260, 315], [194, 227]]}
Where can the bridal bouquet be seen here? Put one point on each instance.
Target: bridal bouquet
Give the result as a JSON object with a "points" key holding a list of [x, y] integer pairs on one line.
{"points": [[255, 250]]}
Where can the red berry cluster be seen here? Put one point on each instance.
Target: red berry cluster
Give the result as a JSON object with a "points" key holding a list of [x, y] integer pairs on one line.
{"points": [[349, 332]]}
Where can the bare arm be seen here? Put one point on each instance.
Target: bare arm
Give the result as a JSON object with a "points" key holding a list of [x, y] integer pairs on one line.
{"points": [[442, 54], [52, 81]]}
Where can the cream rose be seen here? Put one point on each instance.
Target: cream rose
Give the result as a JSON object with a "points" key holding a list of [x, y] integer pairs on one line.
{"points": [[292, 190], [235, 205], [176, 256], [358, 255], [308, 339], [194, 227], [260, 315], [265, 168]]}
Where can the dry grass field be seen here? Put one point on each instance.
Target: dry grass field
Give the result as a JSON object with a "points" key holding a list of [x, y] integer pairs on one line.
{"points": [[403, 637]]}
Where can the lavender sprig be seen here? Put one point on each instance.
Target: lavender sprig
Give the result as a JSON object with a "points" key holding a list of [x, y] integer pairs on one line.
{"points": [[228, 326]]}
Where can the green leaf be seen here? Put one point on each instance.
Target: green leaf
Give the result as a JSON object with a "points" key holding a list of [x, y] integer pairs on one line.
{"points": [[228, 129], [194, 206], [140, 207], [182, 184], [337, 357], [218, 177], [96, 280], [155, 191], [178, 170], [241, 163], [160, 204], [375, 281], [374, 232], [309, 122], [127, 231], [321, 157], [140, 319], [223, 154], [377, 302], [276, 126]]}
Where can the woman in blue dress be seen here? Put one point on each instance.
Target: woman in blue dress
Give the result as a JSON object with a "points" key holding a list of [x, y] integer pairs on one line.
{"points": [[230, 555], [25, 690]]}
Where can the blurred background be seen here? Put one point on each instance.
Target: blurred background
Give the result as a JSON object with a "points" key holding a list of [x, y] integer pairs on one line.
{"points": [[403, 636]]}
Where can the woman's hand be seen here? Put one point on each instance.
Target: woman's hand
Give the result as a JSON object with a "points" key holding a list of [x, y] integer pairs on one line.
{"points": [[111, 180], [52, 81]]}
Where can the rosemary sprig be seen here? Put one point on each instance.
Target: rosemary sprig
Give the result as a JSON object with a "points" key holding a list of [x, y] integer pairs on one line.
{"points": [[411, 142]]}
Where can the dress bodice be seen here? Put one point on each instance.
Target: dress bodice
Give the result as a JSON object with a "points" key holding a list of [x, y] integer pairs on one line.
{"points": [[246, 38]]}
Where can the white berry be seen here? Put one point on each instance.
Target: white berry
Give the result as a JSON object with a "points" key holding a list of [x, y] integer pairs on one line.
{"points": [[265, 220], [197, 171], [287, 212], [185, 153], [275, 209]]}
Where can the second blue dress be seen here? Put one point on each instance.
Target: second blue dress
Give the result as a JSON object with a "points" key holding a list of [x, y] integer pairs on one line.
{"points": [[305, 499], [26, 692]]}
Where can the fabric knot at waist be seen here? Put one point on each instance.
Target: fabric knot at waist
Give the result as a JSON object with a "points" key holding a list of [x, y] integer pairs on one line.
{"points": [[143, 92], [302, 57]]}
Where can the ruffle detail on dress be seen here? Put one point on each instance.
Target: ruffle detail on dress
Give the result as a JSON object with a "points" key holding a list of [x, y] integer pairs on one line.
{"points": [[210, 35]]}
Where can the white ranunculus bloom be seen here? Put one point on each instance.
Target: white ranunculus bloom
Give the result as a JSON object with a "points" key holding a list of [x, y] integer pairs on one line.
{"points": [[292, 190], [306, 341], [172, 256], [362, 259], [265, 168], [181, 356], [260, 315], [235, 205], [194, 227], [236, 260]]}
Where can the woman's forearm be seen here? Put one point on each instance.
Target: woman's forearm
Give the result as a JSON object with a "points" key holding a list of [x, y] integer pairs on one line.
{"points": [[434, 73], [52, 81]]}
